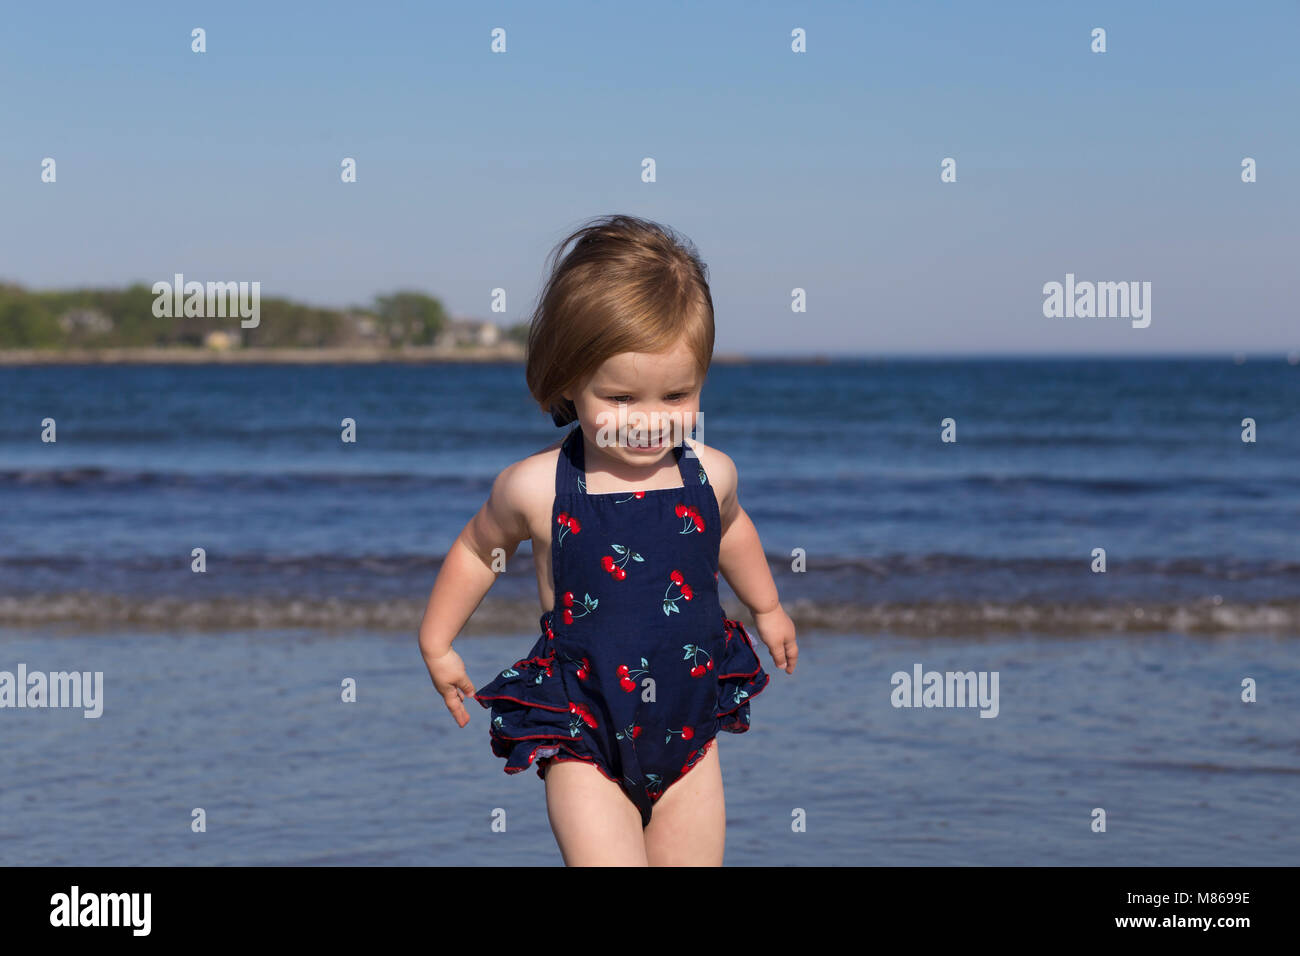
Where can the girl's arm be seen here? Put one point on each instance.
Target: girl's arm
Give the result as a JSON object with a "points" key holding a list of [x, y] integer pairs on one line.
{"points": [[742, 562], [466, 574], [740, 553]]}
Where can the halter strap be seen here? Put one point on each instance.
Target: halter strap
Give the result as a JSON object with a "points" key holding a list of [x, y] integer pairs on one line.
{"points": [[571, 464]]}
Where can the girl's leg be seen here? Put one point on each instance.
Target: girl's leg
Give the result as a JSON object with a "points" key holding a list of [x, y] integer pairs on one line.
{"points": [[594, 822], [688, 825]]}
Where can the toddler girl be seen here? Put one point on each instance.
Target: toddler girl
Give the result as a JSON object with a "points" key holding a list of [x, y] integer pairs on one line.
{"points": [[636, 668]]}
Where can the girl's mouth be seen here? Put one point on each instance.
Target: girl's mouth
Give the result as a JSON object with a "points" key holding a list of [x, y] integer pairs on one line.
{"points": [[645, 444]]}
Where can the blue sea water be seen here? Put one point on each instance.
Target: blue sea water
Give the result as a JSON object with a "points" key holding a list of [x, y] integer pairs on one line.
{"points": [[841, 460]]}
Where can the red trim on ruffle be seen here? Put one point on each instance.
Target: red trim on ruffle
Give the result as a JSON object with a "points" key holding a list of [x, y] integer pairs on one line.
{"points": [[526, 703], [540, 765], [654, 798], [720, 715], [587, 760], [736, 625], [741, 673]]}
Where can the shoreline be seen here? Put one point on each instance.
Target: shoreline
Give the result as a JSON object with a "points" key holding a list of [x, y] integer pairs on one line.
{"points": [[188, 355], [87, 611]]}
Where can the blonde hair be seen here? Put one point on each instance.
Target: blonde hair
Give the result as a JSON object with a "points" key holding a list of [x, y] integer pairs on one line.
{"points": [[628, 285]]}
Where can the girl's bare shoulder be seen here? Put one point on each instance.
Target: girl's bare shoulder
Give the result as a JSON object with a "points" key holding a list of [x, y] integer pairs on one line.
{"points": [[720, 469], [527, 486]]}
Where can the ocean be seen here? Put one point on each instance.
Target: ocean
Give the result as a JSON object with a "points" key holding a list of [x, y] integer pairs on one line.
{"points": [[1120, 690]]}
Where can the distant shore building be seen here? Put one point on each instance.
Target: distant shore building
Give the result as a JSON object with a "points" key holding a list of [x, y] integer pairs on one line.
{"points": [[85, 322], [459, 332], [362, 329], [222, 341]]}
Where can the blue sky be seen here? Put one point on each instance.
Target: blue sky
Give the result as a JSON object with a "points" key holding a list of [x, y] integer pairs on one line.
{"points": [[817, 170]]}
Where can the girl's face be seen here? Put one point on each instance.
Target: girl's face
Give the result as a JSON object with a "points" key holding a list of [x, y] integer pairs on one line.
{"points": [[638, 405]]}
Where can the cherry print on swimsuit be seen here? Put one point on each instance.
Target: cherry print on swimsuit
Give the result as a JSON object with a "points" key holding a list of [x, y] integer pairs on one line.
{"points": [[693, 523], [568, 523], [728, 707]]}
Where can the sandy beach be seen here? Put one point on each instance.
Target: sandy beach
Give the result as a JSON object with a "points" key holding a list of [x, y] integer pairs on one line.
{"points": [[250, 726]]}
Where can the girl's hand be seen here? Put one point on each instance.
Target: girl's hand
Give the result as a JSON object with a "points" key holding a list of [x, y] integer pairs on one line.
{"points": [[451, 681], [776, 630]]}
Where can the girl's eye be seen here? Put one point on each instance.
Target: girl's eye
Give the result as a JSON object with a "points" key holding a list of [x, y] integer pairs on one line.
{"points": [[623, 399]]}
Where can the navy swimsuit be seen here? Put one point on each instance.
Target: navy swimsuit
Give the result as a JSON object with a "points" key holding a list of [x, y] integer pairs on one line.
{"points": [[637, 668]]}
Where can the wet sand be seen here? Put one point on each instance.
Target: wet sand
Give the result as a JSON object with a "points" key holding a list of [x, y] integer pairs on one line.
{"points": [[250, 727]]}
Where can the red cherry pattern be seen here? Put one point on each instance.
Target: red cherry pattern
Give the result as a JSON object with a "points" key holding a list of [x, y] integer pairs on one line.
{"points": [[584, 666], [630, 732], [685, 593], [545, 667], [583, 713], [569, 524], [693, 652], [615, 568], [588, 605], [654, 788], [627, 678], [693, 520]]}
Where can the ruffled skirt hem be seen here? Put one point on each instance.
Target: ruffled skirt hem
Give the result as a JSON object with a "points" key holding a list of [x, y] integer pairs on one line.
{"points": [[740, 680], [534, 720]]}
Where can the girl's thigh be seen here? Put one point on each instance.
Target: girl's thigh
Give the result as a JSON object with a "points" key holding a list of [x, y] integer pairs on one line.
{"points": [[688, 826], [594, 822]]}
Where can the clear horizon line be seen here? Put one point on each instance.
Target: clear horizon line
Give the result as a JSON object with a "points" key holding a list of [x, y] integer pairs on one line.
{"points": [[1285, 354]]}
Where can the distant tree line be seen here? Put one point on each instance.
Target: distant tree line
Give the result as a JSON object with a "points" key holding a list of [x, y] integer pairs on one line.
{"points": [[123, 318]]}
